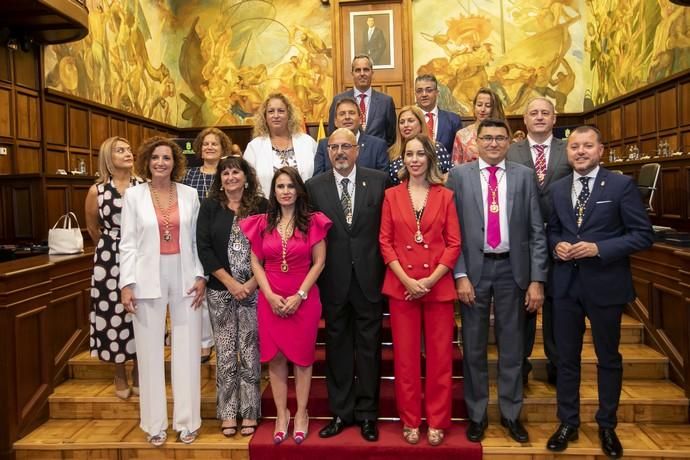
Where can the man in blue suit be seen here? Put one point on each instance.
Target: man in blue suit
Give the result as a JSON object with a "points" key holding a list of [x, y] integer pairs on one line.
{"points": [[373, 152], [378, 113], [597, 221], [442, 124]]}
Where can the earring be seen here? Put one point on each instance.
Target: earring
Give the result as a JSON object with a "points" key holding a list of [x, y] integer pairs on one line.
{"points": [[246, 185], [221, 188]]}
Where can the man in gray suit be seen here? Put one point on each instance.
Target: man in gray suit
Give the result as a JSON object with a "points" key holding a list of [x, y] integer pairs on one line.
{"points": [[504, 256], [546, 156]]}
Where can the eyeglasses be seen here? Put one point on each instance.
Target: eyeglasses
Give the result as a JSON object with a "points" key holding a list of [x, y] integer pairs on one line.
{"points": [[336, 147], [425, 90], [490, 139]]}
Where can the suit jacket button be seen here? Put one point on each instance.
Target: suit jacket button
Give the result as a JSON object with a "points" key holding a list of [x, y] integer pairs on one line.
{"points": [[408, 247], [426, 246], [426, 265], [409, 266]]}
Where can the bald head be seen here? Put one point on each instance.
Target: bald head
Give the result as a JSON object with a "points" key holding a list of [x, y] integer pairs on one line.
{"points": [[539, 118], [343, 150]]}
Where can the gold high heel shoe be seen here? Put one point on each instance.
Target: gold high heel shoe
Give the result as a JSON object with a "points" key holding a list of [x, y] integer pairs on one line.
{"points": [[435, 436], [411, 435]]}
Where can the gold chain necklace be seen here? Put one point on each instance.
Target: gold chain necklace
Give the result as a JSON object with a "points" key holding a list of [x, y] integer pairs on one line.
{"points": [[493, 207], [418, 237], [285, 234], [167, 234]]}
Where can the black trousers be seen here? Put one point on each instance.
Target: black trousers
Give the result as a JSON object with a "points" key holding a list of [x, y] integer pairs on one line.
{"points": [[569, 328], [548, 336], [353, 355]]}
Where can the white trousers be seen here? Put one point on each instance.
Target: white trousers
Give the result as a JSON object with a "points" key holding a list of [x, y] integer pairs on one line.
{"points": [[206, 331], [149, 331]]}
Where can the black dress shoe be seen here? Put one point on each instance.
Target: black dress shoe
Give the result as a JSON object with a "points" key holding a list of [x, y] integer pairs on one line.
{"points": [[610, 444], [558, 441], [370, 431], [516, 429], [334, 427], [475, 432]]}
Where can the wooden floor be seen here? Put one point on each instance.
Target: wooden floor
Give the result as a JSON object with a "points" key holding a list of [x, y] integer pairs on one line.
{"points": [[88, 421]]}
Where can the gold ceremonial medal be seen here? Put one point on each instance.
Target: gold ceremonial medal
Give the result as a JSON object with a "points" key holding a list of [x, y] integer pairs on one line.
{"points": [[493, 208], [167, 236], [418, 238], [284, 267]]}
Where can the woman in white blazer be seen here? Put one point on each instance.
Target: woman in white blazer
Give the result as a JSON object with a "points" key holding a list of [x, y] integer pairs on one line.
{"points": [[279, 141], [159, 266]]}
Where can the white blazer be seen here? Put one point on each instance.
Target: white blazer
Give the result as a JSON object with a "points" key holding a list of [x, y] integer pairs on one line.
{"points": [[140, 241], [259, 154]]}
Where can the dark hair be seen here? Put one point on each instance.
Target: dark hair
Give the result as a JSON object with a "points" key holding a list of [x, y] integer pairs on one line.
{"points": [[427, 77], [348, 100], [224, 139], [433, 174], [496, 104], [586, 129], [146, 151], [493, 123], [363, 56], [302, 214], [251, 195]]}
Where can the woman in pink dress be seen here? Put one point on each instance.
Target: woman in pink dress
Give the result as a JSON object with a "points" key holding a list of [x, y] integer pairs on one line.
{"points": [[288, 254]]}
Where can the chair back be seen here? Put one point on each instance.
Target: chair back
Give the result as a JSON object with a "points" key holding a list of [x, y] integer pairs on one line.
{"points": [[647, 183], [617, 171]]}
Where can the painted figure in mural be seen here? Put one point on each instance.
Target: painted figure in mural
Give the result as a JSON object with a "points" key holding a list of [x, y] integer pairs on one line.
{"points": [[374, 42]]}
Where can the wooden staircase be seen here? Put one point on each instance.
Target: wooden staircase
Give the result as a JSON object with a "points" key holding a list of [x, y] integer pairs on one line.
{"points": [[88, 421]]}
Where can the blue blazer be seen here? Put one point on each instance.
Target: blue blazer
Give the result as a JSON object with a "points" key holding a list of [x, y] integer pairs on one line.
{"points": [[448, 124], [616, 220], [381, 121], [373, 154]]}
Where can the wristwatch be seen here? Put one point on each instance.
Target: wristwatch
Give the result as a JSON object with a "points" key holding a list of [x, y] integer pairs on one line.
{"points": [[302, 294]]}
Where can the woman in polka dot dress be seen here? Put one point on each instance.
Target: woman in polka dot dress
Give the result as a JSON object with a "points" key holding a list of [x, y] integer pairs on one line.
{"points": [[111, 332]]}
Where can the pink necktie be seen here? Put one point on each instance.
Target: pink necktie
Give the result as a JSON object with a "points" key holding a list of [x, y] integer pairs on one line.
{"points": [[430, 124], [363, 109], [540, 164], [493, 224]]}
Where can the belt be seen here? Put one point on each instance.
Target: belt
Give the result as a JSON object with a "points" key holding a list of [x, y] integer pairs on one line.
{"points": [[497, 255]]}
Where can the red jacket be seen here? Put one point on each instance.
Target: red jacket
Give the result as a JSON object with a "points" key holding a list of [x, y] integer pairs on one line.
{"points": [[441, 232]]}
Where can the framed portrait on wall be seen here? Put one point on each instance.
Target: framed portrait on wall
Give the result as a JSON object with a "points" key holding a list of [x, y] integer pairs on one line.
{"points": [[372, 33]]}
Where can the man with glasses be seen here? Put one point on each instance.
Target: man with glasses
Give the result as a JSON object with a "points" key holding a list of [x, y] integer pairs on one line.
{"points": [[350, 284], [377, 109], [442, 124], [545, 155], [503, 257], [373, 152]]}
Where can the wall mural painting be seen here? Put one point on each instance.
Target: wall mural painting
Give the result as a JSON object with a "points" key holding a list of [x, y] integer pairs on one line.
{"points": [[198, 62], [578, 53]]}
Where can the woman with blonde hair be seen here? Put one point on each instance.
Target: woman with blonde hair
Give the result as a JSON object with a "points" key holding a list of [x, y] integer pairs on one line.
{"points": [[486, 104], [410, 123], [279, 141], [111, 332]]}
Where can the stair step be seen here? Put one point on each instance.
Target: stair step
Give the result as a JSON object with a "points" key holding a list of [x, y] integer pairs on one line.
{"points": [[641, 401], [82, 438]]}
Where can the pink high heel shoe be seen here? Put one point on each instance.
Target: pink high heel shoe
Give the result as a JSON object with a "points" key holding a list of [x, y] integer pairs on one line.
{"points": [[298, 435], [281, 435]]}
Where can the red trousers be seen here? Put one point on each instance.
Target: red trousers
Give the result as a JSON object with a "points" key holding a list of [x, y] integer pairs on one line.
{"points": [[407, 320]]}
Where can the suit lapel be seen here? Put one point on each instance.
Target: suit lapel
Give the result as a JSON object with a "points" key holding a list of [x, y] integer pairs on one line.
{"points": [[566, 190], [405, 206], [555, 158], [431, 211], [361, 191], [597, 187], [511, 187], [372, 107], [476, 186], [332, 197]]}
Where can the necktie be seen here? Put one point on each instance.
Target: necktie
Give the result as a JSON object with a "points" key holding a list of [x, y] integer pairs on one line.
{"points": [[493, 224], [581, 202], [363, 109], [430, 124], [346, 201], [540, 164]]}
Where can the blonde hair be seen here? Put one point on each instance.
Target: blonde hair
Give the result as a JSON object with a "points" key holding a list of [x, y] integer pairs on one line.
{"points": [[396, 150], [294, 118], [105, 158]]}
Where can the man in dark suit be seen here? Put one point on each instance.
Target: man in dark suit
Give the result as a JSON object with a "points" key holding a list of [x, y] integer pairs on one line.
{"points": [[378, 109], [374, 42], [350, 285], [442, 124], [504, 257], [598, 220], [373, 152], [544, 154]]}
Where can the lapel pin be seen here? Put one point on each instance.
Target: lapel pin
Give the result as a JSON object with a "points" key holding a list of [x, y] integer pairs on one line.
{"points": [[364, 184], [603, 183]]}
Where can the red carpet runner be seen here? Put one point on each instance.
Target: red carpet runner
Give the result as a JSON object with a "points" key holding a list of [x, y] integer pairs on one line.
{"points": [[349, 444]]}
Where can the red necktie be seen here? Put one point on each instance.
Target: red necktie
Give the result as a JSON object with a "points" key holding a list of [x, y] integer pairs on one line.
{"points": [[430, 124], [363, 109], [540, 164], [493, 223]]}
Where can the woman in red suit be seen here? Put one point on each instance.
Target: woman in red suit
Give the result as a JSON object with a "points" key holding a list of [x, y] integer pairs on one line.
{"points": [[420, 242]]}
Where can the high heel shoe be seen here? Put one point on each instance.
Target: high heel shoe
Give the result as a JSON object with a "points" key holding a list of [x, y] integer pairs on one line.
{"points": [[300, 435], [435, 436], [411, 435], [280, 435], [123, 393]]}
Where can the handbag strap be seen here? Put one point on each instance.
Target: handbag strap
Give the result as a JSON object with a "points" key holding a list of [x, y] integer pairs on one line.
{"points": [[66, 220]]}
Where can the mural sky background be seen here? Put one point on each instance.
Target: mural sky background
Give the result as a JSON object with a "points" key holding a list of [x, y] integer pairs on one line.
{"points": [[211, 62]]}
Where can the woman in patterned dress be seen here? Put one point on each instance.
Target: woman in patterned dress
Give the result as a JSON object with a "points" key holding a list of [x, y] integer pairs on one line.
{"points": [[410, 123], [111, 332], [231, 292], [210, 146], [279, 141], [288, 254], [486, 104]]}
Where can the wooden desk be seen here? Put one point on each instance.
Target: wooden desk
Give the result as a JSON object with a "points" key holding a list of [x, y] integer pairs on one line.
{"points": [[44, 307]]}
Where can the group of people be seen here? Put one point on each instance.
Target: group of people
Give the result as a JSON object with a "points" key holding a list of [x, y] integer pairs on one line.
{"points": [[424, 215]]}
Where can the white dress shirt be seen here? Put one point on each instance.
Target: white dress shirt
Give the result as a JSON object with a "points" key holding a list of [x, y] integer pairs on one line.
{"points": [[504, 245], [367, 100], [350, 187], [577, 185], [547, 149]]}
